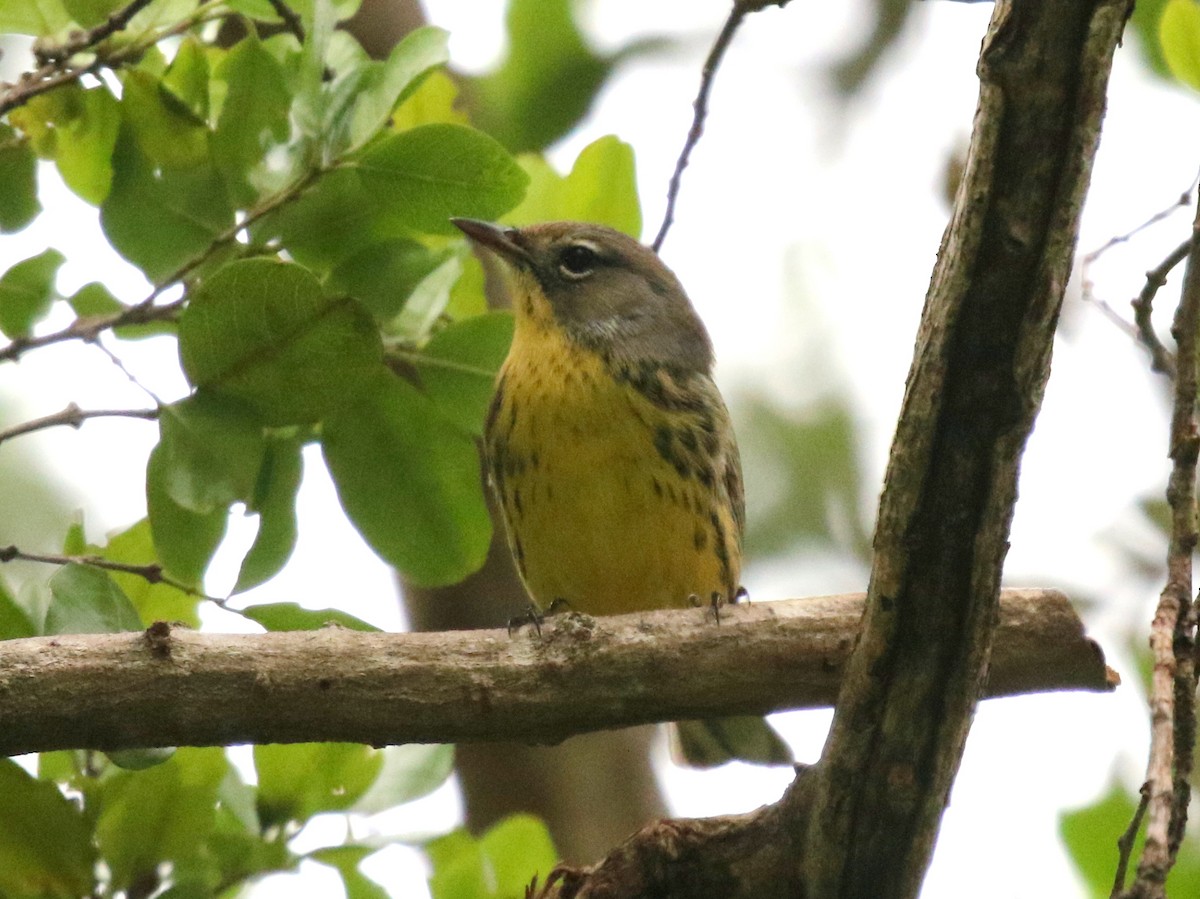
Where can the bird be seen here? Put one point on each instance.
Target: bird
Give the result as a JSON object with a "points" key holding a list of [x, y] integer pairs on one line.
{"points": [[609, 447]]}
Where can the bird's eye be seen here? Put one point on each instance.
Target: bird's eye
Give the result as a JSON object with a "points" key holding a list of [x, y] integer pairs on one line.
{"points": [[577, 261]]}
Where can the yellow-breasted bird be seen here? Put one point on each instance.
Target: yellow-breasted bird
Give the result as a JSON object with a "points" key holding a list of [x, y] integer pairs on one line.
{"points": [[609, 446]]}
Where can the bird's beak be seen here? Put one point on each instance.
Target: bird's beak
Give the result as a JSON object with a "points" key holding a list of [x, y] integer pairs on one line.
{"points": [[497, 238]]}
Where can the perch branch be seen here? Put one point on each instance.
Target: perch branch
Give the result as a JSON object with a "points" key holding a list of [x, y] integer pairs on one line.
{"points": [[172, 686]]}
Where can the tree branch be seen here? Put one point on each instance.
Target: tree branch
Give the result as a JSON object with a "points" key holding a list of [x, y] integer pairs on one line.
{"points": [[171, 686], [982, 360], [74, 417]]}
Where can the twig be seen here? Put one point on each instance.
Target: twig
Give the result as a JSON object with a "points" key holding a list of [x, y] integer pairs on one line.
{"points": [[123, 369], [1125, 843], [1172, 692], [1161, 359], [87, 39], [152, 573], [741, 8], [1185, 199], [290, 19], [73, 417], [89, 329]]}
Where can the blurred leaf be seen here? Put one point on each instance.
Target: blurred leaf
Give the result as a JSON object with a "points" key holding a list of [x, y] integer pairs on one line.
{"points": [[167, 132], [428, 174], [887, 19], [77, 128], [499, 864], [601, 188], [96, 299], [275, 502], [345, 860], [254, 113], [187, 77], [163, 814], [288, 616], [33, 17], [154, 602], [160, 219], [383, 275], [1179, 32], [18, 182], [387, 84], [409, 481], [87, 601], [546, 82], [262, 331], [409, 772], [297, 781], [1144, 25], [91, 12], [433, 101], [27, 292], [15, 621], [332, 220], [211, 451], [45, 843], [184, 541], [802, 477], [427, 302], [458, 367], [1091, 833], [75, 540]]}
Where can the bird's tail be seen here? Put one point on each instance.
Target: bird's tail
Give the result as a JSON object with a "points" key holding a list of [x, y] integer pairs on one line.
{"points": [[715, 741]]}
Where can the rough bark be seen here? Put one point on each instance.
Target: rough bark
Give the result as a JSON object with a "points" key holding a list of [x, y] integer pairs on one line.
{"points": [[173, 687]]}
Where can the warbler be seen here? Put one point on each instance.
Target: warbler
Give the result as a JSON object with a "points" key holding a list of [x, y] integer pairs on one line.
{"points": [[609, 446]]}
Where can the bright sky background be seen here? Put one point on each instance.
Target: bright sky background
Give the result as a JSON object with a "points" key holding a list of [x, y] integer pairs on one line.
{"points": [[806, 234]]}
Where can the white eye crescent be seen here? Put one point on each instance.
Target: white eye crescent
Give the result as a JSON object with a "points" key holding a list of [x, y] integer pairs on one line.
{"points": [[577, 260]]}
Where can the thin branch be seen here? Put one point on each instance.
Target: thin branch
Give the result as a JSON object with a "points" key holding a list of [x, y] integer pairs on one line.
{"points": [[290, 18], [191, 688], [1185, 200], [741, 8], [1172, 686], [1125, 843], [88, 329], [89, 39], [152, 573], [1161, 359], [73, 417]]}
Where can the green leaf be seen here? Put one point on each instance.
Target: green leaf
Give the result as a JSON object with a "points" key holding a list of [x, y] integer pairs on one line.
{"points": [[254, 114], [428, 301], [501, 863], [18, 182], [95, 299], [160, 219], [154, 602], [547, 81], [39, 18], [184, 540], [333, 219], [458, 367], [167, 132], [389, 83], [435, 100], [15, 621], [275, 502], [1179, 32], [1143, 24], [263, 332], [27, 292], [45, 843], [75, 540], [187, 77], [297, 781], [429, 174], [140, 759], [160, 815], [383, 275], [345, 860], [78, 129], [288, 616], [86, 601], [91, 12], [409, 481], [409, 772], [212, 451], [601, 188]]}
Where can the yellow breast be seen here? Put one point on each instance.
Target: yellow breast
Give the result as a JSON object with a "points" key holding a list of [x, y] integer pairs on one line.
{"points": [[602, 508]]}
